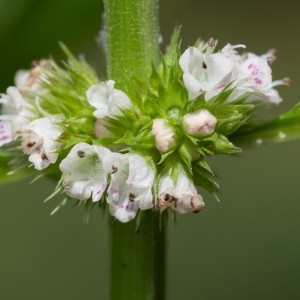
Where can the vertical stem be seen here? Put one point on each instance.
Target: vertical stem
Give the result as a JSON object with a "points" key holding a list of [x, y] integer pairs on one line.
{"points": [[137, 256], [132, 38], [138, 259]]}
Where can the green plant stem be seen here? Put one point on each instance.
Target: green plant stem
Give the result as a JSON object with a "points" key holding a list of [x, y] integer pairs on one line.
{"points": [[138, 259], [137, 256], [132, 39]]}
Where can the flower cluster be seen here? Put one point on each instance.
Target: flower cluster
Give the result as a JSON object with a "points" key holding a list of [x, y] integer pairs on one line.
{"points": [[141, 146]]}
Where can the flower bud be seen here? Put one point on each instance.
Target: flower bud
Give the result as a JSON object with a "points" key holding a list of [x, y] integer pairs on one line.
{"points": [[199, 123], [164, 135]]}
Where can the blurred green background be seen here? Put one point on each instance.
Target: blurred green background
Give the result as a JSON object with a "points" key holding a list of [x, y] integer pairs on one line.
{"points": [[245, 247]]}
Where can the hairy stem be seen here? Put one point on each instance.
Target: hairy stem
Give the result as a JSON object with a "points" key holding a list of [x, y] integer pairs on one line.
{"points": [[137, 256]]}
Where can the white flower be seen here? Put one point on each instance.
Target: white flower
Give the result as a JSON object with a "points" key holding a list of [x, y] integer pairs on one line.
{"points": [[30, 79], [255, 75], [87, 177], [39, 141], [207, 72], [199, 123], [106, 99], [5, 132], [130, 187], [16, 113], [182, 197], [163, 134]]}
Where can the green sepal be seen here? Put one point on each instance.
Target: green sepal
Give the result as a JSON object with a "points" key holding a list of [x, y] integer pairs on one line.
{"points": [[75, 139], [218, 144]]}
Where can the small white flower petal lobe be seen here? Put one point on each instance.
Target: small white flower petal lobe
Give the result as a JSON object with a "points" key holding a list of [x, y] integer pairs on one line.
{"points": [[117, 100], [141, 175], [273, 96], [190, 59], [97, 96], [21, 77], [218, 69], [87, 177], [193, 86]]}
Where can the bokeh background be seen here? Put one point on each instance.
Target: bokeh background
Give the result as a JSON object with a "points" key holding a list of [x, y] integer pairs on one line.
{"points": [[245, 247]]}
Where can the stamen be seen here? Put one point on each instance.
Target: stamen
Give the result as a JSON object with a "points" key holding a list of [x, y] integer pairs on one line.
{"points": [[287, 81], [211, 42], [43, 155], [114, 169], [132, 197], [30, 144], [81, 153]]}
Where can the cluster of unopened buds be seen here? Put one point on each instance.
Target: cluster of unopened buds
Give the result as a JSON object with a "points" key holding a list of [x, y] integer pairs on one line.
{"points": [[138, 146]]}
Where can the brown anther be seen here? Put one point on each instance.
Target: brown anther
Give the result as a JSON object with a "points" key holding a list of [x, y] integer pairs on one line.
{"points": [[30, 144], [132, 197], [35, 63], [211, 42], [167, 197], [196, 210], [204, 66], [114, 169], [287, 81], [66, 185], [43, 155], [81, 153], [171, 199]]}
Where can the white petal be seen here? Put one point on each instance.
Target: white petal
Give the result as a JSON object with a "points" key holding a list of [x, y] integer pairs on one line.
{"points": [[193, 86], [273, 96], [191, 59], [141, 174], [97, 95], [5, 132], [87, 177], [21, 77], [118, 99]]}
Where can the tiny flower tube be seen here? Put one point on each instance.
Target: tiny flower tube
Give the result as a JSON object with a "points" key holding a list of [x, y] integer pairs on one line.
{"points": [[164, 135], [131, 184], [199, 123], [182, 196], [100, 129], [86, 178]]}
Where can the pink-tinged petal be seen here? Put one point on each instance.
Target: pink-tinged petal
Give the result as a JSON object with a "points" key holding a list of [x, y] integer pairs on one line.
{"points": [[5, 132]]}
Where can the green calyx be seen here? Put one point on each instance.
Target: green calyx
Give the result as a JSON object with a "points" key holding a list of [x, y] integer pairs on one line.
{"points": [[164, 98]]}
